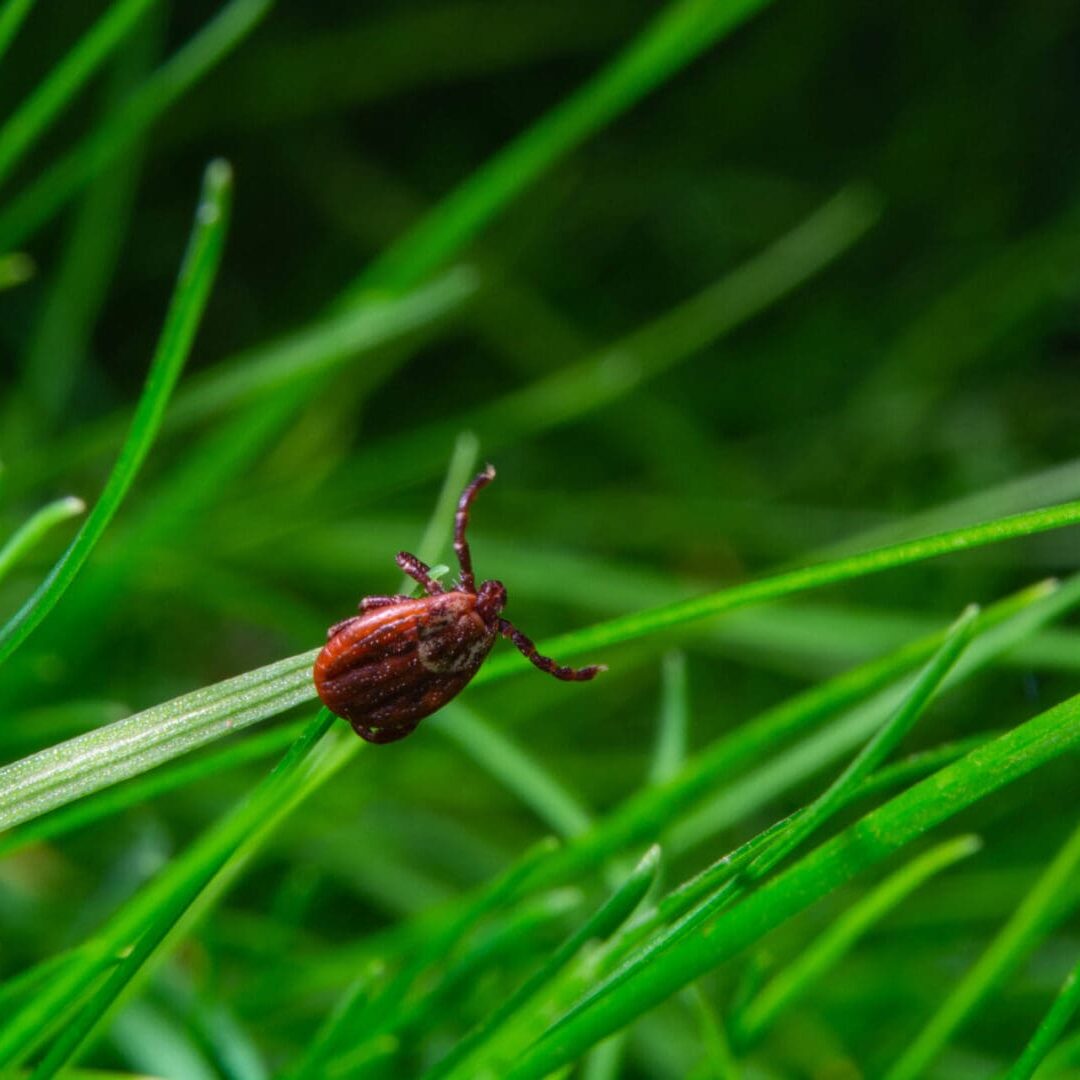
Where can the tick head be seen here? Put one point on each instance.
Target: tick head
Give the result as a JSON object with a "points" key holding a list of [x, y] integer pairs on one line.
{"points": [[490, 600]]}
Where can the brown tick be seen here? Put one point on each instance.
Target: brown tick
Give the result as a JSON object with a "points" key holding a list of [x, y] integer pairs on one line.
{"points": [[401, 658]]}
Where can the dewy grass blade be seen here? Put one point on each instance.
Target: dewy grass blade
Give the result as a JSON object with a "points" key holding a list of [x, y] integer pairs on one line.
{"points": [[839, 937], [680, 32], [903, 819], [874, 753], [28, 211], [181, 322], [27, 536], [1044, 905], [1050, 1030], [139, 791], [127, 747], [30, 122]]}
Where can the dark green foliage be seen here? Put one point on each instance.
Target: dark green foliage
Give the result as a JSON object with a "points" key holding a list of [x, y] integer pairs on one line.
{"points": [[767, 314]]}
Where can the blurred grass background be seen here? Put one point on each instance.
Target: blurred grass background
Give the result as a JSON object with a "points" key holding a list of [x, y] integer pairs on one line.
{"points": [[924, 375]]}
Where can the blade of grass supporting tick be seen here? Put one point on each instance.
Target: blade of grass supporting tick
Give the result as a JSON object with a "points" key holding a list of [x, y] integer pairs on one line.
{"points": [[1049, 1031], [825, 951], [874, 753], [29, 122], [516, 770], [602, 924], [139, 792], [680, 32], [30, 533], [1033, 919], [51, 191], [886, 829], [181, 322]]}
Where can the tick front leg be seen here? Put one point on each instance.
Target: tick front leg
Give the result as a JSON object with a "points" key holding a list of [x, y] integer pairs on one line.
{"points": [[419, 572], [461, 524], [528, 650]]}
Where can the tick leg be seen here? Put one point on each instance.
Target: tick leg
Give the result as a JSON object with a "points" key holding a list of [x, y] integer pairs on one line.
{"points": [[343, 625], [461, 523], [528, 650], [370, 602], [419, 572]]}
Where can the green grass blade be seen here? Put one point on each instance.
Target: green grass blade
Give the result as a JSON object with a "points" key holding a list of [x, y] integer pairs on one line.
{"points": [[827, 949], [127, 747], [1049, 1030], [681, 31], [908, 816], [28, 211], [599, 926], [181, 322], [653, 620], [12, 15], [643, 816], [1036, 915], [30, 533], [30, 122], [719, 1058], [140, 791], [670, 750], [874, 753], [516, 770]]}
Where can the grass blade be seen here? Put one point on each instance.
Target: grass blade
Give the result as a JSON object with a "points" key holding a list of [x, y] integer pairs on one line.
{"points": [[181, 322], [29, 534], [874, 753], [825, 951], [905, 818], [670, 751], [1050, 1030], [599, 926], [28, 123], [1040, 909], [516, 770], [51, 191]]}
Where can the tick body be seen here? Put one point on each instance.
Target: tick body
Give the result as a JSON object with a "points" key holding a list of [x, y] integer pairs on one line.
{"points": [[401, 658]]}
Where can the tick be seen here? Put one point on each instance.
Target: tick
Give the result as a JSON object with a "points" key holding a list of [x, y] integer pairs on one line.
{"points": [[402, 658]]}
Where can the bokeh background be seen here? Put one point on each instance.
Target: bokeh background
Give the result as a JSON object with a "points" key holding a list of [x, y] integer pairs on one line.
{"points": [[922, 371]]}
